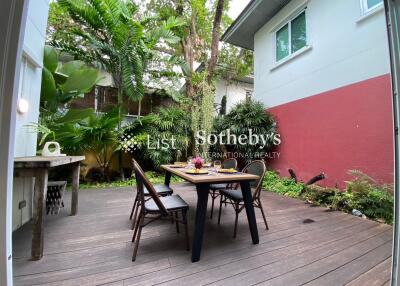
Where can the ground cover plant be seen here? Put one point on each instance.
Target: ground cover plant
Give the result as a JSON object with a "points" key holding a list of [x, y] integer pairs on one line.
{"points": [[362, 193]]}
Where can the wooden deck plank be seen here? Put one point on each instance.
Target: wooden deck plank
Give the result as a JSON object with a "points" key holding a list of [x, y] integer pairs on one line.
{"points": [[374, 276], [217, 268], [354, 268], [324, 271], [75, 281], [111, 252], [94, 247], [262, 273], [53, 260]]}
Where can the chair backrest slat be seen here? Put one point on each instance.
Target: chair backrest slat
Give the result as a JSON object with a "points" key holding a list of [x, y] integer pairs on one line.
{"points": [[142, 182], [258, 168], [229, 163]]}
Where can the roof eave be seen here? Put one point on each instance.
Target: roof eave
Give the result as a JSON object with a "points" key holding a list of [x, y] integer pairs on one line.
{"points": [[239, 20]]}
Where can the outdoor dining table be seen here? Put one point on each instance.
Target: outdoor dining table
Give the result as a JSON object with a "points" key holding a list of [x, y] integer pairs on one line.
{"points": [[39, 167], [202, 183]]}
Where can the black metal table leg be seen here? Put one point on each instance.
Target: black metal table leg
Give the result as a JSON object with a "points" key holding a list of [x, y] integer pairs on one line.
{"points": [[251, 217], [201, 211], [167, 179]]}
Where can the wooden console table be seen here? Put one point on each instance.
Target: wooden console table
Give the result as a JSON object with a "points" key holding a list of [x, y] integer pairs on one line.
{"points": [[39, 167]]}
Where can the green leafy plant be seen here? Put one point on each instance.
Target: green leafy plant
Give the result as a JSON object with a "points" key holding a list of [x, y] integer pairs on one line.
{"points": [[84, 131], [246, 115], [222, 111], [111, 34], [282, 185], [362, 193], [166, 124], [365, 194], [63, 82], [320, 195], [203, 113], [154, 177]]}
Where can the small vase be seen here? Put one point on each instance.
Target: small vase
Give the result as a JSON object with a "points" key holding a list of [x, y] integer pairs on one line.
{"points": [[198, 165]]}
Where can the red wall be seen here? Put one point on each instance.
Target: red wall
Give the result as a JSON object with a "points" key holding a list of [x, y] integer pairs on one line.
{"points": [[333, 132]]}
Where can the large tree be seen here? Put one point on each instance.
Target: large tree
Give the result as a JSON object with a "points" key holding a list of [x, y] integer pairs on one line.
{"points": [[110, 34], [199, 44]]}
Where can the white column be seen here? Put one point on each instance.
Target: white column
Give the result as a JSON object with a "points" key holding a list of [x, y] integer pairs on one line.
{"points": [[12, 27]]}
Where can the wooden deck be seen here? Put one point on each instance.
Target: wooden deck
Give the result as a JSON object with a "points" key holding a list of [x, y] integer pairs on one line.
{"points": [[94, 248]]}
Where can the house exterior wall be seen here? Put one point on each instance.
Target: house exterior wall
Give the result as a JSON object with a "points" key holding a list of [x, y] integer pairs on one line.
{"points": [[235, 92], [333, 101], [29, 89]]}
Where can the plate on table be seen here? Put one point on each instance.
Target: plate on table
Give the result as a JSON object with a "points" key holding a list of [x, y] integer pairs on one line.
{"points": [[179, 165], [196, 172], [228, 171]]}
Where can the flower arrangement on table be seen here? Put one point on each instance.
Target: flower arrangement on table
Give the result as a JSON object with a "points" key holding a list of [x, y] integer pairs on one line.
{"points": [[198, 162]]}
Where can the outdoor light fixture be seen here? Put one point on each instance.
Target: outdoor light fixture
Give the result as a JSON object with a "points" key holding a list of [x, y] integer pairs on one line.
{"points": [[23, 106]]}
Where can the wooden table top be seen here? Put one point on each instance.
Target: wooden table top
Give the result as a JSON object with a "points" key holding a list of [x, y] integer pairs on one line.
{"points": [[45, 161], [211, 177]]}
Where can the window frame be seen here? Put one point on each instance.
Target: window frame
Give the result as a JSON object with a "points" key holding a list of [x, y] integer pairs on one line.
{"points": [[366, 10], [288, 22]]}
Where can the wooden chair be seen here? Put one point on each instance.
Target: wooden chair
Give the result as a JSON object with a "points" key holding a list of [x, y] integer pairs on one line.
{"points": [[230, 163], [161, 190], [157, 207], [235, 198]]}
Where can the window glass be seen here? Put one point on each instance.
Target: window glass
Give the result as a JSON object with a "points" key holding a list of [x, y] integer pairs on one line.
{"points": [[282, 43], [298, 32], [373, 3]]}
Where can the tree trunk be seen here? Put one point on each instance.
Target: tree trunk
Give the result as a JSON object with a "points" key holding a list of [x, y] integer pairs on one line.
{"points": [[215, 40], [118, 84]]}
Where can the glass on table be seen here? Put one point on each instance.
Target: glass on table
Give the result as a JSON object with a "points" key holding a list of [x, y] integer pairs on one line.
{"points": [[217, 165], [189, 162]]}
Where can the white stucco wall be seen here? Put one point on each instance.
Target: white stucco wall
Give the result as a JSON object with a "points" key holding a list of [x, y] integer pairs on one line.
{"points": [[345, 48], [29, 89], [235, 91]]}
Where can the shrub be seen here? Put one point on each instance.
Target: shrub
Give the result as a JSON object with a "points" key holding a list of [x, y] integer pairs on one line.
{"points": [[246, 115], [365, 194], [319, 195], [362, 193], [282, 185], [166, 124], [154, 177]]}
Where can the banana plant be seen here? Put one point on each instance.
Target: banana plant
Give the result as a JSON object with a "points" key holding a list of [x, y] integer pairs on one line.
{"points": [[63, 82]]}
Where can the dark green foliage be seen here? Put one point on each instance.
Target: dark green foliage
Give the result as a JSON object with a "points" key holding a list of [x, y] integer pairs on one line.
{"points": [[282, 185], [365, 194], [63, 82], [319, 195], [246, 115], [81, 131], [154, 177], [361, 193], [222, 111], [167, 123], [110, 34]]}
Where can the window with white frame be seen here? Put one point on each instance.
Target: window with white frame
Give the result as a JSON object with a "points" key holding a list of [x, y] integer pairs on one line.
{"points": [[291, 37], [369, 5]]}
